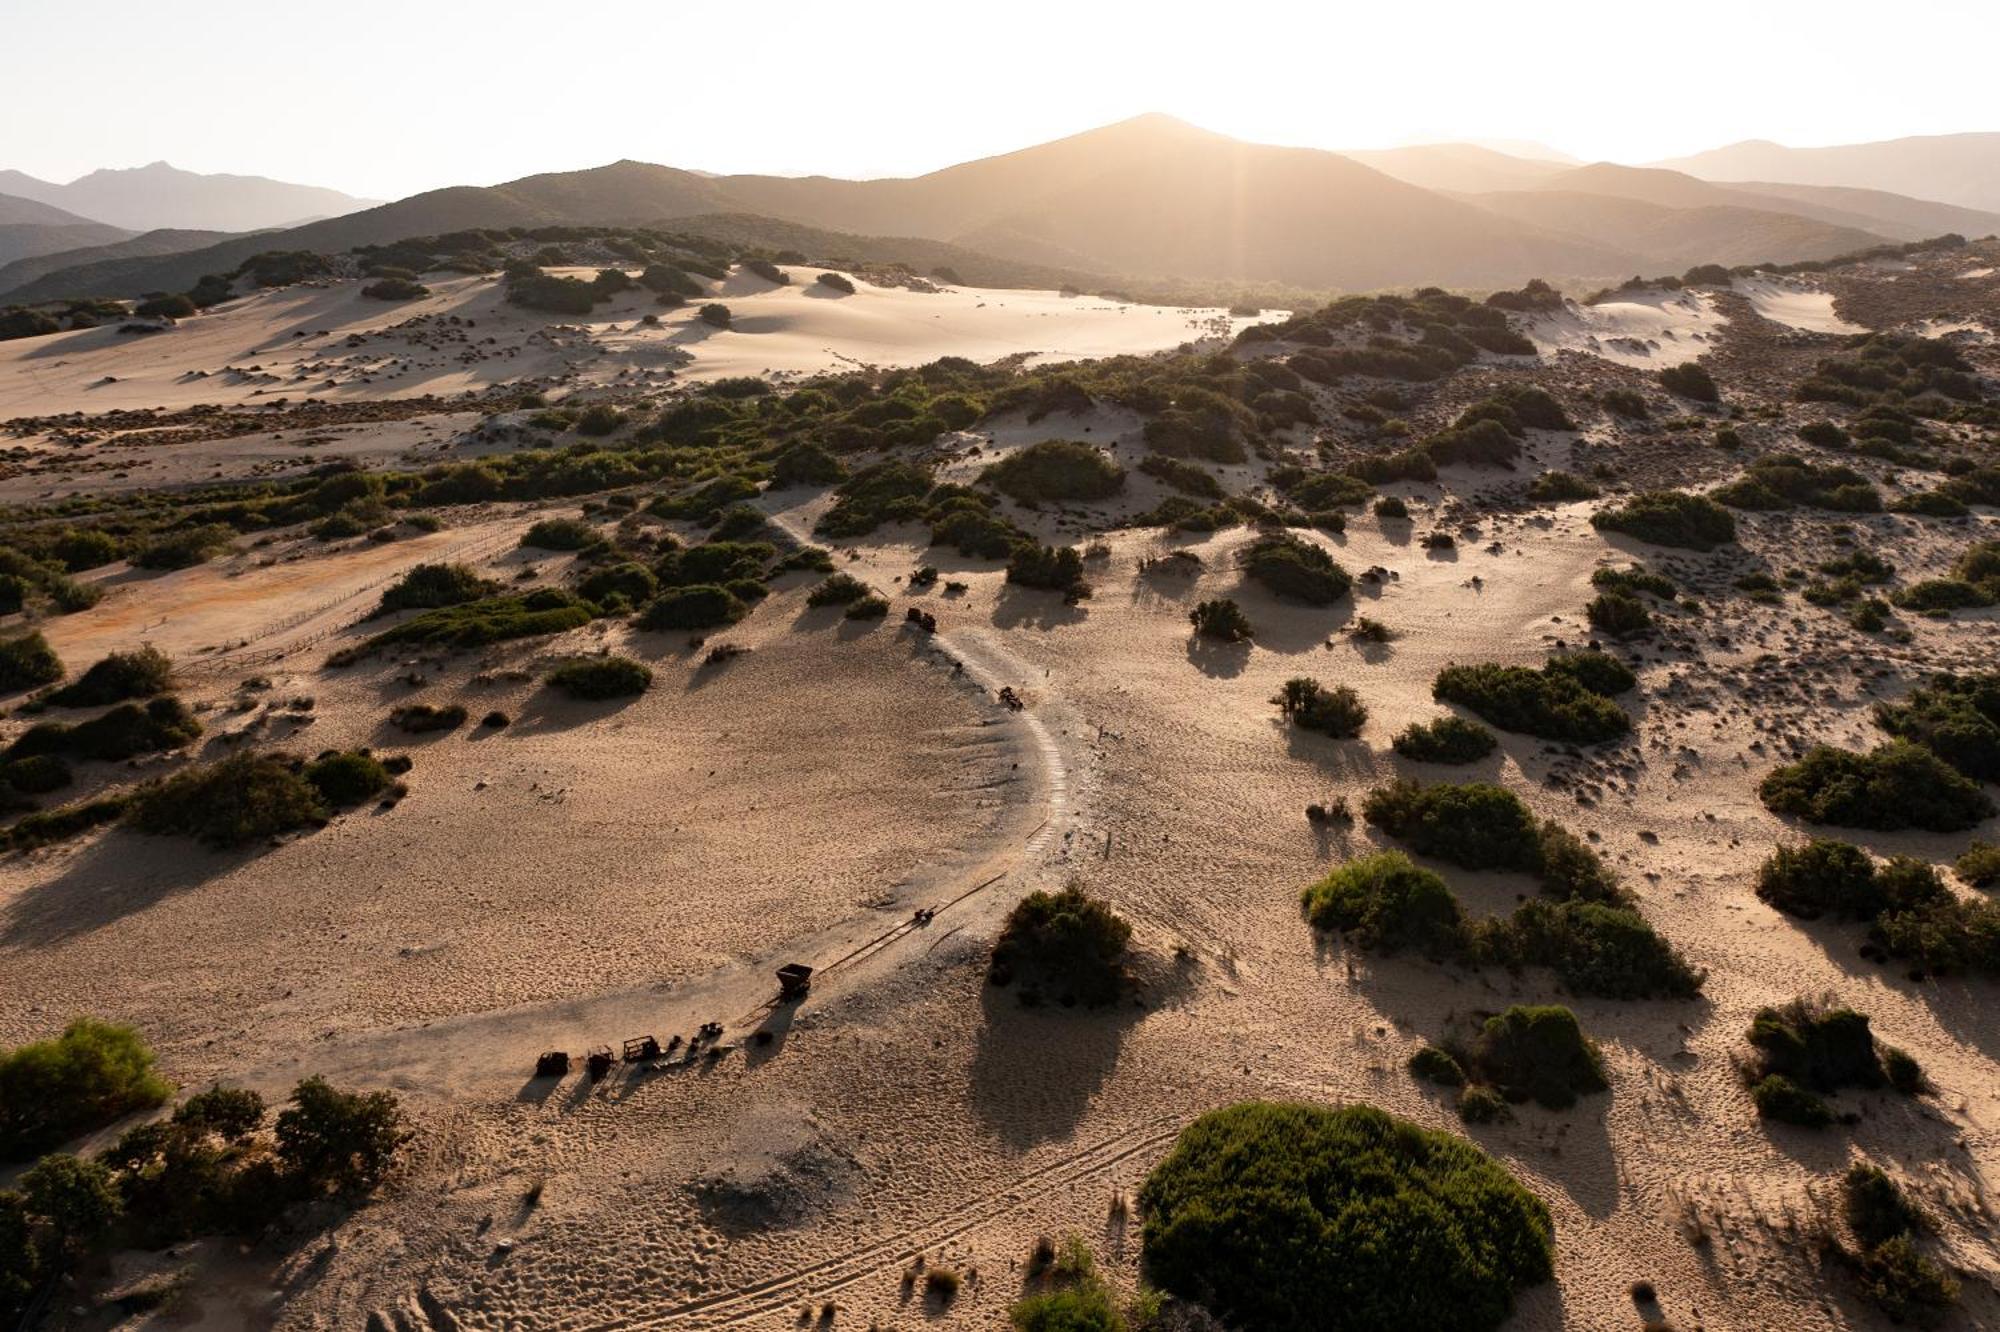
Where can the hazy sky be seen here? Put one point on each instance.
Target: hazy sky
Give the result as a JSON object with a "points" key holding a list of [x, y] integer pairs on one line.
{"points": [[384, 99]]}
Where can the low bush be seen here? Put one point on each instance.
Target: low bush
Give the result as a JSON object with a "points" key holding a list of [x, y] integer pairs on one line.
{"points": [[1823, 1049], [1449, 739], [1898, 785], [1295, 1216], [336, 1142], [1568, 699], [714, 314], [1670, 518], [1056, 470], [59, 825], [418, 718], [1386, 903], [1538, 1053], [93, 1074], [628, 583], [1221, 618], [429, 586], [1956, 717], [1476, 826], [495, 619], [1057, 568], [1979, 865], [838, 589], [1819, 878], [598, 678], [344, 778], [1338, 712], [1594, 948], [182, 549], [1894, 1274], [1296, 569], [1690, 381], [1067, 943], [125, 731], [1778, 1097], [1437, 1065], [27, 661], [141, 673], [1616, 614], [561, 534], [696, 606], [839, 282], [395, 289], [1556, 486], [241, 799]]}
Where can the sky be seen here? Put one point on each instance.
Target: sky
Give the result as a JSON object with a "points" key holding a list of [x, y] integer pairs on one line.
{"points": [[385, 99]]}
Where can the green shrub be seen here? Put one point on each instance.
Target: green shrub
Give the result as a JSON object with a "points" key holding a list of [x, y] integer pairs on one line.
{"points": [[1056, 470], [697, 606], [1556, 486], [1616, 614], [597, 678], [1955, 717], [1481, 1104], [59, 825], [1635, 580], [1626, 403], [1820, 1048], [1898, 785], [870, 607], [1595, 948], [1057, 568], [1296, 569], [124, 732], [76, 1198], [1690, 381], [1562, 701], [1978, 865], [241, 799], [1068, 942], [418, 718], [839, 282], [1539, 1053], [338, 1142], [1819, 877], [496, 619], [714, 314], [91, 1075], [839, 589], [1670, 518], [1894, 1274], [395, 289], [347, 777], [27, 661], [628, 580], [141, 673], [1449, 739], [1221, 618], [1083, 1308], [1186, 477], [1296, 1216], [1477, 826], [1433, 1064], [36, 774], [1387, 903], [182, 549], [1778, 1097], [562, 534], [806, 464], [429, 586], [1338, 712]]}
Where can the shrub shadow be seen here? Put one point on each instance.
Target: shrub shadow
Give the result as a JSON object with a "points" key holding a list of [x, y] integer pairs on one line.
{"points": [[1216, 659], [120, 873]]}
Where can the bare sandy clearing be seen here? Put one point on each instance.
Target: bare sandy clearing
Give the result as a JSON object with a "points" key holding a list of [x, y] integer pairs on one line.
{"points": [[1643, 329], [1795, 303]]}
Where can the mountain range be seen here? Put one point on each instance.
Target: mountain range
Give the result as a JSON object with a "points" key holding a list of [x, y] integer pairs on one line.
{"points": [[159, 196], [1957, 168], [1155, 198]]}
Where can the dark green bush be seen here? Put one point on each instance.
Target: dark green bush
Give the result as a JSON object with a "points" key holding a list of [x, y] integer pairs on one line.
{"points": [[1476, 826], [1338, 712], [1565, 700], [36, 774], [1057, 568], [1894, 1274], [429, 586], [1670, 518], [1898, 785], [1284, 1216], [59, 825], [1821, 877], [1449, 739], [1387, 903], [1057, 470], [1978, 865], [1068, 943], [27, 661], [141, 673], [344, 778], [562, 534], [1594, 948], [1616, 614], [601, 677], [1556, 486], [628, 580], [714, 314], [338, 1142], [1539, 1053], [182, 549], [1220, 618], [91, 1075], [395, 289], [495, 619], [241, 799], [124, 732], [839, 589], [1779, 1098], [1296, 569], [1433, 1064], [1956, 717], [1820, 1048], [839, 282], [418, 718], [696, 606], [1690, 381]]}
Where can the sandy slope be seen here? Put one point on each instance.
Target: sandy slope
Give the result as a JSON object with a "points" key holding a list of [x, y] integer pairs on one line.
{"points": [[1795, 303], [330, 342], [1645, 329]]}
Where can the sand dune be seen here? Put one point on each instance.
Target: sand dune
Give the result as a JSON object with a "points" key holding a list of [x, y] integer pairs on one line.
{"points": [[1644, 329], [1795, 303]]}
